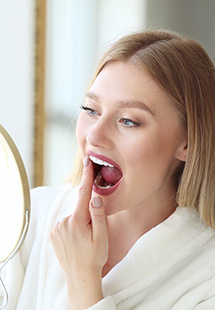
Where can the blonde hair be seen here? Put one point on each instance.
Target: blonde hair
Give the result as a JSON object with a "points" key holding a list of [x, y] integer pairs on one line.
{"points": [[184, 71]]}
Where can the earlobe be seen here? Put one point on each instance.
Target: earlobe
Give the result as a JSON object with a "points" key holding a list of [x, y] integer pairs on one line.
{"points": [[182, 152]]}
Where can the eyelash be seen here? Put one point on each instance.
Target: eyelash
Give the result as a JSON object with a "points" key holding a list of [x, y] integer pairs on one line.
{"points": [[88, 110], [92, 112]]}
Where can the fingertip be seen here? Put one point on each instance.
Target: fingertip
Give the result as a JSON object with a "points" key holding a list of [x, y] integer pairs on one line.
{"points": [[86, 161], [88, 171]]}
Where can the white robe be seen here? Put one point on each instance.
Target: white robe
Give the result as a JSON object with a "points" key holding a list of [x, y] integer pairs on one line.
{"points": [[170, 267]]}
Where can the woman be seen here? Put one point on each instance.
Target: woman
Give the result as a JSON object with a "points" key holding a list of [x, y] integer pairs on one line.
{"points": [[139, 232]]}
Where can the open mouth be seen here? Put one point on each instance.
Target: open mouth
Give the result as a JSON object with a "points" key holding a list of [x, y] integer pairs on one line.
{"points": [[106, 176]]}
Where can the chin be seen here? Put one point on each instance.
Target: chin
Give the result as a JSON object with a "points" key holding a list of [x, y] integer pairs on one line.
{"points": [[111, 205]]}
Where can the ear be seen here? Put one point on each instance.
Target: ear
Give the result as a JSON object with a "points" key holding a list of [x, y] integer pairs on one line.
{"points": [[181, 152]]}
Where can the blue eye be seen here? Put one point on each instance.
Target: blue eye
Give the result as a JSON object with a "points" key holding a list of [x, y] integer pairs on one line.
{"points": [[88, 110], [129, 123]]}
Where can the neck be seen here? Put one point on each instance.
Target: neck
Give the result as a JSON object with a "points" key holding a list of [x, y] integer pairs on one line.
{"points": [[142, 218]]}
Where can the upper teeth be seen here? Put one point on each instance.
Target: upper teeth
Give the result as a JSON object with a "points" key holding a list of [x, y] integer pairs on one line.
{"points": [[100, 162]]}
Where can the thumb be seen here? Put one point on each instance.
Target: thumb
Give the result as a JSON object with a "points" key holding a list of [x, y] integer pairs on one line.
{"points": [[98, 218]]}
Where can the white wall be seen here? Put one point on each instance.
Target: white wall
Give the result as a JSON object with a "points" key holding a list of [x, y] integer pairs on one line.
{"points": [[116, 18], [16, 74]]}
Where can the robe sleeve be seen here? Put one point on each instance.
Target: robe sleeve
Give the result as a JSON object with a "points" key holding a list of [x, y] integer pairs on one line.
{"points": [[13, 273], [12, 283], [106, 303], [209, 302]]}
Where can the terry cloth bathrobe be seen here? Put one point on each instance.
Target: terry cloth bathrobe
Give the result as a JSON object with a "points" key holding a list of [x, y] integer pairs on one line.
{"points": [[170, 267]]}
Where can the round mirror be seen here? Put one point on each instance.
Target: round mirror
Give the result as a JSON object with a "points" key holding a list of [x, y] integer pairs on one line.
{"points": [[14, 199]]}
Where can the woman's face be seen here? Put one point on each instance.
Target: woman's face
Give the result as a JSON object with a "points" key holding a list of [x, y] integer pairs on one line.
{"points": [[130, 124]]}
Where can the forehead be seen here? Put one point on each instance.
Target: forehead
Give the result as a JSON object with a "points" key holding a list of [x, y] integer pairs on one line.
{"points": [[120, 81]]}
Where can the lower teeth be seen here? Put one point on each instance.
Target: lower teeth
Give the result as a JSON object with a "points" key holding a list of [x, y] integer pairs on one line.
{"points": [[108, 186]]}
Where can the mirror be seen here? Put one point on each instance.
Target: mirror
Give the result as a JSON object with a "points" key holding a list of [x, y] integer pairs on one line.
{"points": [[14, 202]]}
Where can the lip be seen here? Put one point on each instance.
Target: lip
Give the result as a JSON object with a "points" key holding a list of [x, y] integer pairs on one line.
{"points": [[107, 191]]}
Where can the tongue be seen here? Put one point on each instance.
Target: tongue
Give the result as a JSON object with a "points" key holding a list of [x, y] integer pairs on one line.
{"points": [[111, 175]]}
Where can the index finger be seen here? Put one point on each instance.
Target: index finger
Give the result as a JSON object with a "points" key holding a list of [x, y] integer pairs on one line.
{"points": [[85, 191]]}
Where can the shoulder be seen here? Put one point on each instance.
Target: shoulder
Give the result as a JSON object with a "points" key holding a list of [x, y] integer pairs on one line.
{"points": [[48, 204], [192, 234], [196, 257], [42, 199], [46, 201]]}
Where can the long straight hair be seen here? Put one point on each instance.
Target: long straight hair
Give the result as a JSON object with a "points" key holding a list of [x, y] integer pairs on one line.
{"points": [[184, 71]]}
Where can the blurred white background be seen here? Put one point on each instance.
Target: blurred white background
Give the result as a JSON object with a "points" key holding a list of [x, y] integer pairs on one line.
{"points": [[77, 32], [17, 74]]}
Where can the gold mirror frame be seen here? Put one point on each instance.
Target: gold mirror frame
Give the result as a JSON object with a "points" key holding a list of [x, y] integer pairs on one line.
{"points": [[15, 202]]}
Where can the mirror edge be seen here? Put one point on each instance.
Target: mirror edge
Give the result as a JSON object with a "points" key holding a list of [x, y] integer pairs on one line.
{"points": [[25, 189]]}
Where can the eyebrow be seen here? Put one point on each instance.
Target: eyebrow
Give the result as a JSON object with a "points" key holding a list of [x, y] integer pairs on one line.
{"points": [[128, 104]]}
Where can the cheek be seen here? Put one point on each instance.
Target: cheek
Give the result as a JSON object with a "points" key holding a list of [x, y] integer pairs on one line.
{"points": [[148, 155], [146, 147]]}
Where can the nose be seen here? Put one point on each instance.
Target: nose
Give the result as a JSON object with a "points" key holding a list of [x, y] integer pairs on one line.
{"points": [[101, 135]]}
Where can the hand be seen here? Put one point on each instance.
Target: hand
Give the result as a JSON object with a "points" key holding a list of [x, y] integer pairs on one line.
{"points": [[80, 242]]}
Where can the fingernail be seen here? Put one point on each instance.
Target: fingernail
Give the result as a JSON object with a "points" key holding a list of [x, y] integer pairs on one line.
{"points": [[96, 202], [86, 161]]}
